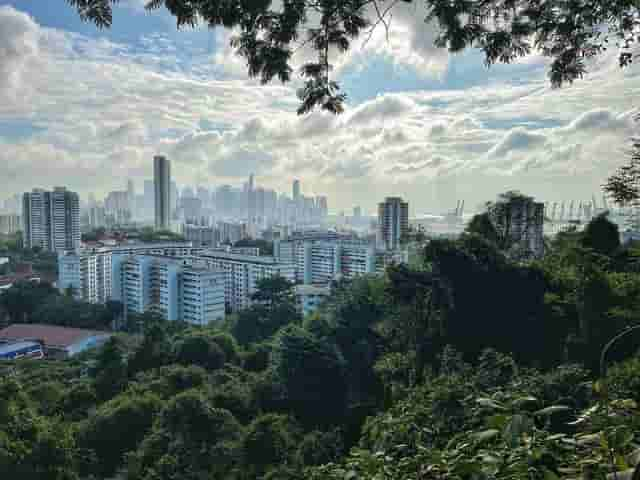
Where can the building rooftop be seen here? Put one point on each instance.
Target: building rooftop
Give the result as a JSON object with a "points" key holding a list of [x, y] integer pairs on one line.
{"points": [[263, 260], [312, 290], [51, 335], [10, 347]]}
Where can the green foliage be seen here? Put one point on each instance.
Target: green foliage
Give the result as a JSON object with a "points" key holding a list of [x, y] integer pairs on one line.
{"points": [[29, 302], [448, 370], [305, 366], [199, 349], [318, 447], [623, 380], [190, 440], [228, 345], [32, 446], [154, 350], [601, 235], [256, 358], [481, 225], [170, 380], [274, 308], [78, 400], [267, 36], [117, 427], [111, 368], [270, 440]]}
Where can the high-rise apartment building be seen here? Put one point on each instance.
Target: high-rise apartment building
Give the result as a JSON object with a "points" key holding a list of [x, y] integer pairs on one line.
{"points": [[393, 222], [520, 221], [10, 223], [89, 272], [184, 289], [243, 272], [162, 190], [319, 259], [51, 219]]}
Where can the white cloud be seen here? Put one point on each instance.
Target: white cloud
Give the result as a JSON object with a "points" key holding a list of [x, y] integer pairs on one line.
{"points": [[102, 111], [19, 51]]}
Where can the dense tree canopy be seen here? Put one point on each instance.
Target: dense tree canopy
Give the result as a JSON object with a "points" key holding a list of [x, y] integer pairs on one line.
{"points": [[452, 369], [268, 33]]}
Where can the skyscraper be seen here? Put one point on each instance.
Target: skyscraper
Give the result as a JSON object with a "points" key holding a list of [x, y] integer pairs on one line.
{"points": [[393, 222], [131, 195], [162, 184], [251, 200], [52, 219], [296, 191]]}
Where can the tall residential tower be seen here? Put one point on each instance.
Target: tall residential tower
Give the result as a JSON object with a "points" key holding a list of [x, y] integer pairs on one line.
{"points": [[162, 187], [393, 222], [52, 219]]}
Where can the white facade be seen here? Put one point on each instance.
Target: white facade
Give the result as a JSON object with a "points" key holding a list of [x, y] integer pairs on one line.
{"points": [[89, 272], [243, 272], [319, 262], [393, 222], [52, 220], [177, 289], [202, 294]]}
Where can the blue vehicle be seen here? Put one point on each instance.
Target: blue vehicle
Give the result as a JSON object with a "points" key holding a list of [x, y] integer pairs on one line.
{"points": [[26, 349]]}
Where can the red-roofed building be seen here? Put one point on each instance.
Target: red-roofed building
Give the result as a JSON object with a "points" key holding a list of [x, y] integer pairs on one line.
{"points": [[58, 341]]}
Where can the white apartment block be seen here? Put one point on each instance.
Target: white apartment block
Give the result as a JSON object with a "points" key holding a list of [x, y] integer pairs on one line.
{"points": [[243, 272], [89, 272], [51, 219], [184, 289], [319, 262]]}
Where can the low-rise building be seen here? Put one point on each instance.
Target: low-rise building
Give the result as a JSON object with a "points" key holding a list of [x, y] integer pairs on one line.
{"points": [[59, 342]]}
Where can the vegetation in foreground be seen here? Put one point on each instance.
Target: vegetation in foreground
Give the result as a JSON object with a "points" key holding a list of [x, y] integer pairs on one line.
{"points": [[468, 366]]}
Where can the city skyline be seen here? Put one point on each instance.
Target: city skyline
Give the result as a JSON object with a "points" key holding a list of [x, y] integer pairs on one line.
{"points": [[431, 127]]}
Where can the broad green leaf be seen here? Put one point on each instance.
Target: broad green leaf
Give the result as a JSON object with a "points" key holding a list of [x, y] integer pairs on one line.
{"points": [[489, 403], [552, 410], [486, 435], [497, 421]]}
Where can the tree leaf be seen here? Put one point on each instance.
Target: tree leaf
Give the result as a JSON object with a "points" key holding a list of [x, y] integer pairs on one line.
{"points": [[552, 410]]}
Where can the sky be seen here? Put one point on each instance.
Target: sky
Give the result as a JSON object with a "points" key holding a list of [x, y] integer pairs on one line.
{"points": [[88, 109]]}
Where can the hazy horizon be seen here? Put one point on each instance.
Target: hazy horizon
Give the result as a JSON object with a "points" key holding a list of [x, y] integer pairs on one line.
{"points": [[88, 109]]}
